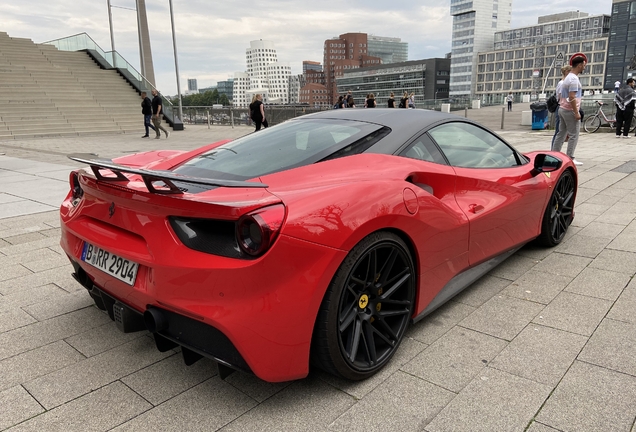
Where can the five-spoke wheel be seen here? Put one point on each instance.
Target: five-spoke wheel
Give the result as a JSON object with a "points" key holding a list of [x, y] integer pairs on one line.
{"points": [[366, 309]]}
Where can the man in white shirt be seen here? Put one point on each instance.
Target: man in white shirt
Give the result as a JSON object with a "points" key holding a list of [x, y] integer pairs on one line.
{"points": [[617, 85], [569, 106]]}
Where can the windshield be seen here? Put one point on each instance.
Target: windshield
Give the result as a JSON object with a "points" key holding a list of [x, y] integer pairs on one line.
{"points": [[288, 145]]}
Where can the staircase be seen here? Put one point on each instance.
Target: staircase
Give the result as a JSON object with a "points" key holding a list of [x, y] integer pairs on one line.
{"points": [[47, 92]]}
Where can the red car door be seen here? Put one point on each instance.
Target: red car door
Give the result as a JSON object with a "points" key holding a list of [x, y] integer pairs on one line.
{"points": [[496, 188]]}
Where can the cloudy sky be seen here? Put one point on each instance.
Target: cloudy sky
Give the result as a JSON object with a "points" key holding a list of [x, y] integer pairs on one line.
{"points": [[212, 35]]}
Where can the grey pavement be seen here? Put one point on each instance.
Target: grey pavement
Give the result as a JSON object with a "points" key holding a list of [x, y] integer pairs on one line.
{"points": [[545, 342]]}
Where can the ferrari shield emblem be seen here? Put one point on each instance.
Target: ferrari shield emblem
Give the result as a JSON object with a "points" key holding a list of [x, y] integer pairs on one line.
{"points": [[547, 174]]}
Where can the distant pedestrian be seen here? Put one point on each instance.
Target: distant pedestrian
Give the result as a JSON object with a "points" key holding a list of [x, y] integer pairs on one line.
{"points": [[146, 110], [157, 112], [565, 70], [351, 103], [340, 103], [412, 100], [624, 101], [617, 86], [510, 99], [570, 116], [404, 102], [370, 101], [257, 112], [391, 101]]}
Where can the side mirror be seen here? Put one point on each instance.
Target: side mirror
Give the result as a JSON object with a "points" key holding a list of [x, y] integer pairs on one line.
{"points": [[546, 163]]}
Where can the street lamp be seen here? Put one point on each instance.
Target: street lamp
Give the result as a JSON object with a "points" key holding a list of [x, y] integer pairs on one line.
{"points": [[176, 61]]}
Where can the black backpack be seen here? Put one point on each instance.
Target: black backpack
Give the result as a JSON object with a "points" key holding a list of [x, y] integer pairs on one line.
{"points": [[552, 103]]}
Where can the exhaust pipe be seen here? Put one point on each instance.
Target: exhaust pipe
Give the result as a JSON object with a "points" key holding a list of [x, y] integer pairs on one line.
{"points": [[155, 320]]}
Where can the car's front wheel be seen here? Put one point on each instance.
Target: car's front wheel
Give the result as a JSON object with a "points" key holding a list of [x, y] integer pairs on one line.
{"points": [[560, 212], [366, 308]]}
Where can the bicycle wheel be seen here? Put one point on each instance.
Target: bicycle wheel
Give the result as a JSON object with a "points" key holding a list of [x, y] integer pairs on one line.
{"points": [[592, 124], [633, 124]]}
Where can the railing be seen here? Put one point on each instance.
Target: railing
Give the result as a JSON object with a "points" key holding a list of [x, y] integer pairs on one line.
{"points": [[232, 116], [113, 60]]}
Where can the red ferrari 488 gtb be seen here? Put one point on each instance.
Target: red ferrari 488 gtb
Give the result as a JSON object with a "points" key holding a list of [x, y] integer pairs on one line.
{"points": [[317, 241]]}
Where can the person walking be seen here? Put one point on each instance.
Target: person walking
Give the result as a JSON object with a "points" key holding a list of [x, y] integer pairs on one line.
{"points": [[157, 108], [146, 110], [624, 101], [257, 111], [617, 86], [370, 101], [350, 102], [404, 102], [565, 70], [509, 99], [569, 106], [391, 101], [412, 100]]}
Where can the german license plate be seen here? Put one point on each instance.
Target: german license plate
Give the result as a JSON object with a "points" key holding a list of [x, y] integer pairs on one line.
{"points": [[116, 266]]}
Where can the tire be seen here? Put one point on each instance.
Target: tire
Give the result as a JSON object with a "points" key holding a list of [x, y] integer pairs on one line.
{"points": [[366, 309], [632, 127], [559, 213], [592, 124]]}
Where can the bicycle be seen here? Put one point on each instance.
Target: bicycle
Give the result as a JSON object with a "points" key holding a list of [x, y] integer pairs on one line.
{"points": [[593, 122]]}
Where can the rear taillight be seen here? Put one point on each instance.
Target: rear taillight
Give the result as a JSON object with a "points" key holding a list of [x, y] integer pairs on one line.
{"points": [[257, 231], [76, 189]]}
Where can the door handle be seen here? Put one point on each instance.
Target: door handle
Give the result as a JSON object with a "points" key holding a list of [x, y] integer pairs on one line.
{"points": [[475, 208]]}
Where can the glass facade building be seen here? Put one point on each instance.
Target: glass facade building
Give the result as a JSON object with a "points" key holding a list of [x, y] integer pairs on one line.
{"points": [[622, 43], [390, 50]]}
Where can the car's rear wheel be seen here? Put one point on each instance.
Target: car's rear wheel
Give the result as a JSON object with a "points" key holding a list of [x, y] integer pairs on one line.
{"points": [[592, 124], [366, 308], [559, 214]]}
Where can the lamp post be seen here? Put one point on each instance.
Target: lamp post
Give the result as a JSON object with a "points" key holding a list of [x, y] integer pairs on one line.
{"points": [[112, 37], [176, 61]]}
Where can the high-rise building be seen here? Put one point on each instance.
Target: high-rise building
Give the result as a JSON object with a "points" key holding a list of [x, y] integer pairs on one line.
{"points": [[347, 51], [266, 75], [192, 85], [621, 51], [474, 25], [227, 88], [311, 66], [389, 49]]}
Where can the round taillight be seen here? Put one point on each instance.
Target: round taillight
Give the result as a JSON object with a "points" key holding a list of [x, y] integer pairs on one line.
{"points": [[257, 231]]}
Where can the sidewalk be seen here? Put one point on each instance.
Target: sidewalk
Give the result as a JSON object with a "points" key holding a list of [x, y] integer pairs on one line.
{"points": [[544, 342]]}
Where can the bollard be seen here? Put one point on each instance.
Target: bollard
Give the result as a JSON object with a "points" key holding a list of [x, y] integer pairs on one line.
{"points": [[208, 113], [466, 112], [232, 118], [503, 113]]}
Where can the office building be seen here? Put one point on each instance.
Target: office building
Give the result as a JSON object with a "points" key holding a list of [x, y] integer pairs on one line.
{"points": [[474, 25], [309, 65], [314, 95], [428, 79], [226, 87], [192, 85], [388, 49], [527, 60], [621, 51]]}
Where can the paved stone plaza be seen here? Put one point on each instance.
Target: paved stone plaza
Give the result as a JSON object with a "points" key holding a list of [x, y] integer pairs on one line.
{"points": [[544, 342]]}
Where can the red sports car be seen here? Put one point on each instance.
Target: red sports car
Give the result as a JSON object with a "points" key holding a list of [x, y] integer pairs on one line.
{"points": [[316, 241]]}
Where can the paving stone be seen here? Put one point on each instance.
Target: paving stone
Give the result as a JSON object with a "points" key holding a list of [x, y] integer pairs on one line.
{"points": [[14, 271], [599, 283], [616, 261], [601, 230], [31, 296], [591, 398], [602, 199], [481, 291], [540, 427], [169, 377], [609, 335], [574, 313], [432, 327], [54, 262], [61, 276], [584, 246], [59, 306], [16, 405], [23, 207], [408, 349], [493, 401], [256, 388], [11, 319], [455, 359], [306, 405], [621, 213], [52, 232], [626, 240], [584, 194], [35, 363], [537, 286], [83, 377], [605, 180], [563, 264], [403, 402], [31, 220], [43, 333], [537, 252], [101, 339], [32, 255], [623, 309], [513, 267], [24, 238], [590, 209], [27, 247], [582, 220], [502, 316], [540, 354], [100, 410]]}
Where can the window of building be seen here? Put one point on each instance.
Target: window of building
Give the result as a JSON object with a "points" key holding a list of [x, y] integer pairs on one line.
{"points": [[575, 47], [518, 64], [508, 65], [517, 75], [599, 45], [528, 63], [507, 75], [499, 56], [519, 54]]}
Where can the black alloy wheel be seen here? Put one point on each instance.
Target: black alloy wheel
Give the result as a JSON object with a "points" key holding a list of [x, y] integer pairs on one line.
{"points": [[367, 308], [559, 214]]}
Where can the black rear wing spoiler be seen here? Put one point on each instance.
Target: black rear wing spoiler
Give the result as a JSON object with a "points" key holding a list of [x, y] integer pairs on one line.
{"points": [[149, 176]]}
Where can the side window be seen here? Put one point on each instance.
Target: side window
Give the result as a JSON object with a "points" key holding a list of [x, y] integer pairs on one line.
{"points": [[469, 146], [424, 149]]}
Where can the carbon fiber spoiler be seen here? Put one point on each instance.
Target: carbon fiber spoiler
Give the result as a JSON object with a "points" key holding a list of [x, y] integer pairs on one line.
{"points": [[150, 176]]}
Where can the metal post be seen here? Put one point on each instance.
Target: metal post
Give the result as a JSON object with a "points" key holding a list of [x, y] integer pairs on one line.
{"points": [[208, 113], [503, 114], [142, 66], [176, 61], [466, 112], [112, 37], [232, 117]]}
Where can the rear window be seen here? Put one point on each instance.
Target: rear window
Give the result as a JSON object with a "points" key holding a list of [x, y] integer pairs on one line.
{"points": [[288, 145]]}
